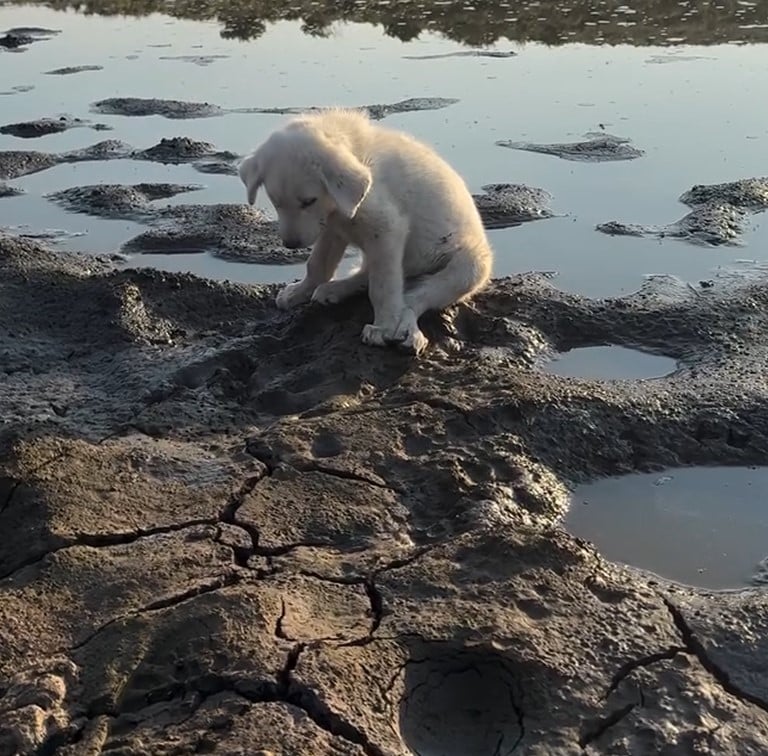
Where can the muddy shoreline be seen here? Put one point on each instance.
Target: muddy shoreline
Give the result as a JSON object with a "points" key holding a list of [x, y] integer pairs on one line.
{"points": [[236, 528]]}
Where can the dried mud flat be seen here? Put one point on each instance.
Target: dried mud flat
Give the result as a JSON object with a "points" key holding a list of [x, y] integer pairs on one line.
{"points": [[238, 530]]}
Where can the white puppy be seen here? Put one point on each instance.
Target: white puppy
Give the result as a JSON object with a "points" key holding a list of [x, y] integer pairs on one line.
{"points": [[337, 179]]}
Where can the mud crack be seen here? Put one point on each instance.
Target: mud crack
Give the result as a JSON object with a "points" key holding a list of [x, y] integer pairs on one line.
{"points": [[597, 728], [104, 540], [292, 691], [696, 647], [645, 661]]}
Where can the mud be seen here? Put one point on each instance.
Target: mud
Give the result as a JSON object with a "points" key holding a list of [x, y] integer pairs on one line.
{"points": [[118, 200], [465, 54], [44, 126], [504, 205], [599, 147], [238, 529], [182, 150], [16, 163], [176, 109], [719, 216], [9, 191], [21, 37], [69, 70], [238, 233], [198, 60]]}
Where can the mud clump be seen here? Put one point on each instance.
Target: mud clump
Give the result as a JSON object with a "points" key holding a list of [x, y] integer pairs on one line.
{"points": [[182, 150], [19, 37], [69, 70], [173, 109], [238, 233], [747, 194], [376, 112], [16, 163], [505, 205], [465, 54], [719, 215], [44, 126], [599, 147], [239, 529], [117, 200], [9, 191]]}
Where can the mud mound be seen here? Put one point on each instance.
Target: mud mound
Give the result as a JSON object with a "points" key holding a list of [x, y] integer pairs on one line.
{"points": [[719, 216], [45, 126], [504, 205], [599, 147], [239, 529], [118, 200]]}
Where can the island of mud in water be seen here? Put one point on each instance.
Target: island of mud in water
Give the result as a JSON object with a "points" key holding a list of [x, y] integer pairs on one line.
{"points": [[235, 529]]}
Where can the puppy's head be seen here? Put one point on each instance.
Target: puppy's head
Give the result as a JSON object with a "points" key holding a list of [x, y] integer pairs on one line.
{"points": [[308, 177]]}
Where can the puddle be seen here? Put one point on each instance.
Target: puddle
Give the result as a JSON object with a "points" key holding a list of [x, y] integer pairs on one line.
{"points": [[210, 52], [610, 363], [703, 526]]}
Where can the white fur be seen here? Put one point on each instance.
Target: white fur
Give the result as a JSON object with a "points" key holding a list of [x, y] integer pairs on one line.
{"points": [[337, 179]]}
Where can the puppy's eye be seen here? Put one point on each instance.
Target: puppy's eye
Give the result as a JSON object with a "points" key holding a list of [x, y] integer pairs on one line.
{"points": [[305, 203]]}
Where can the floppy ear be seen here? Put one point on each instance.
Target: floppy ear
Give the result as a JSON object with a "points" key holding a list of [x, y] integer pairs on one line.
{"points": [[347, 180], [250, 175]]}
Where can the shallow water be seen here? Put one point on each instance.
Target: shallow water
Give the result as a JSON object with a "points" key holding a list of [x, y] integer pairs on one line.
{"points": [[609, 362], [691, 108], [706, 527]]}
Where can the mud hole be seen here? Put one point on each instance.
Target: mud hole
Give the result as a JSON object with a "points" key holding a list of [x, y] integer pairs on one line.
{"points": [[237, 528]]}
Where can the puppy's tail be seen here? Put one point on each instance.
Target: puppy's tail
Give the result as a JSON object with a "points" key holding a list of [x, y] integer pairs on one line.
{"points": [[467, 271]]}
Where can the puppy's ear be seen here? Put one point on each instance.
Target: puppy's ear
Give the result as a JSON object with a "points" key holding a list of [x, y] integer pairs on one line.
{"points": [[347, 180], [250, 174]]}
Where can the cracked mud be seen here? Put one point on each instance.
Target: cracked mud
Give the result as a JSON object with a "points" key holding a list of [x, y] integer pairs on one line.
{"points": [[238, 529], [719, 214]]}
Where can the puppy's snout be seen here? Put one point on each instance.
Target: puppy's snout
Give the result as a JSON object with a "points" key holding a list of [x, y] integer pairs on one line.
{"points": [[293, 242]]}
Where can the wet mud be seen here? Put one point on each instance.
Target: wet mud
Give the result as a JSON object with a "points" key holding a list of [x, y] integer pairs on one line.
{"points": [[69, 70], [465, 54], [240, 529], [19, 38], [177, 109], [9, 191], [599, 147], [505, 205], [719, 216], [45, 126], [117, 200], [203, 155]]}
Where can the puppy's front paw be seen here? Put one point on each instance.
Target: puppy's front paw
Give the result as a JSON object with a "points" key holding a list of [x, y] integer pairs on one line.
{"points": [[328, 293], [406, 335], [293, 295]]}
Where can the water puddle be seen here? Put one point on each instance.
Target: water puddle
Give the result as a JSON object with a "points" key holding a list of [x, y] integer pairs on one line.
{"points": [[703, 526], [610, 363]]}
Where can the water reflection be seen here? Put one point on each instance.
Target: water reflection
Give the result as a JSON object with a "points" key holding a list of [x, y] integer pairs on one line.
{"points": [[475, 22]]}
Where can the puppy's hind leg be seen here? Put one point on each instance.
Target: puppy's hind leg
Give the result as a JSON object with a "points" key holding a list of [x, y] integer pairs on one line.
{"points": [[467, 271], [337, 291]]}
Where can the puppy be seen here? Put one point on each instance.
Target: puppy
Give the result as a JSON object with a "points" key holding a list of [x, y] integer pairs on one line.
{"points": [[336, 179]]}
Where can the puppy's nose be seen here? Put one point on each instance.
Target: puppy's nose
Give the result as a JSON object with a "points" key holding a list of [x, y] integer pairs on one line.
{"points": [[292, 242]]}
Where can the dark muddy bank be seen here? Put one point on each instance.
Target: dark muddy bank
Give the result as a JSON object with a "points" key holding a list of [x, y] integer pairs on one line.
{"points": [[238, 528]]}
